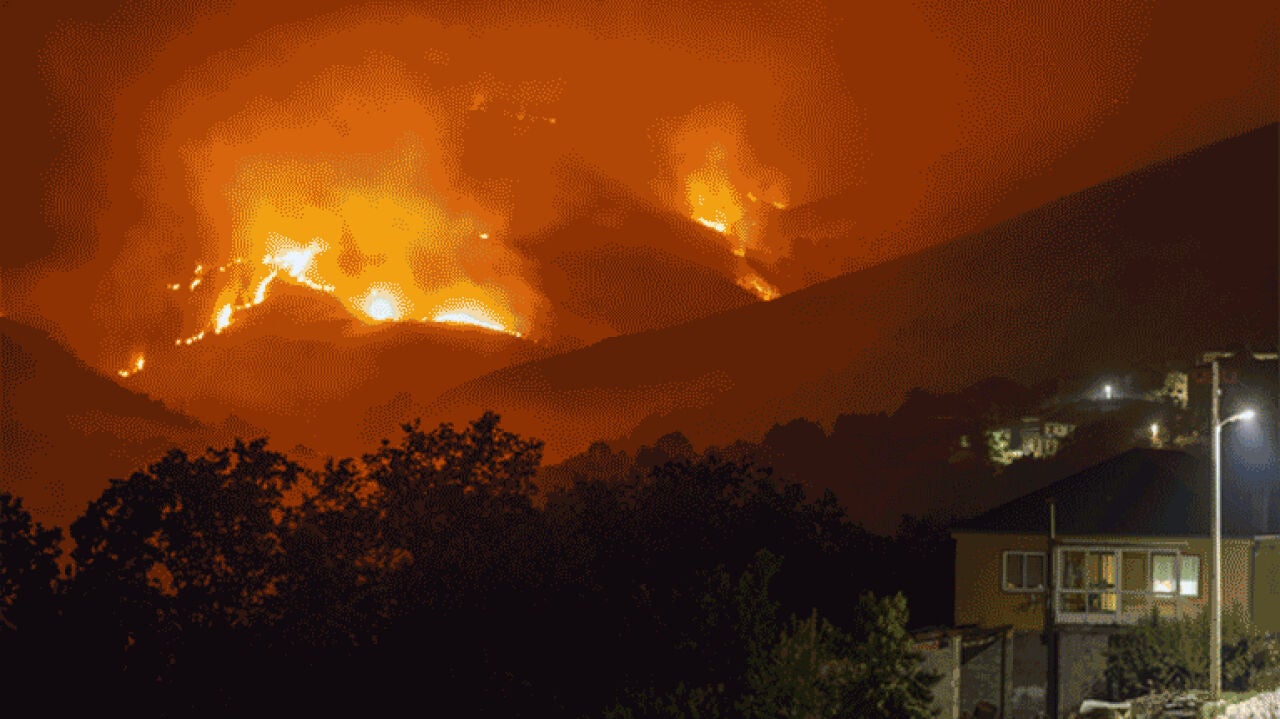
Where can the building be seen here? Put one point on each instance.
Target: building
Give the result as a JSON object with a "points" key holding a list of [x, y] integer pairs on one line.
{"points": [[1106, 547]]}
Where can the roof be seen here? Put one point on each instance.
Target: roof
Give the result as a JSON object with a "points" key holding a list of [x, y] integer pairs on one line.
{"points": [[1142, 492]]}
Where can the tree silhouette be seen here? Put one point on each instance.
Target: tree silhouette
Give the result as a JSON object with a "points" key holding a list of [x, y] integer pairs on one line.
{"points": [[28, 567], [178, 567], [238, 582], [28, 602]]}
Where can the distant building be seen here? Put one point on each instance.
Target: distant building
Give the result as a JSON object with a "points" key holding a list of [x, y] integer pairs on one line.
{"points": [[1043, 439], [1033, 437], [1174, 390], [1000, 446], [1132, 538]]}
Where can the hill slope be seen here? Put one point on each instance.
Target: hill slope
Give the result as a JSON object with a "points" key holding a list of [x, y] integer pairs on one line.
{"points": [[65, 429], [1161, 263]]}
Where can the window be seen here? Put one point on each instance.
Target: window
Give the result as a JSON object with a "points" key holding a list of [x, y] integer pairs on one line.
{"points": [[1163, 573], [1189, 579], [1170, 571], [1023, 571], [1088, 581], [1121, 584]]}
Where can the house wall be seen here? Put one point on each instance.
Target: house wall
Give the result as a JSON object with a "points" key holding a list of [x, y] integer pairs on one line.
{"points": [[980, 600], [1266, 585]]}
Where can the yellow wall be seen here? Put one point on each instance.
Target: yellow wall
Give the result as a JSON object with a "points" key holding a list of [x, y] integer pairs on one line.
{"points": [[981, 600], [1266, 585]]}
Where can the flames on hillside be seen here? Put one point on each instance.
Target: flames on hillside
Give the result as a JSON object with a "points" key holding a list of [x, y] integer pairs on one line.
{"points": [[723, 188], [393, 238], [365, 231]]}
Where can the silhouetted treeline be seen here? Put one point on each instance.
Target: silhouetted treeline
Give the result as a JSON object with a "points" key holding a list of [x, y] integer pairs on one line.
{"points": [[908, 476], [425, 574], [929, 458]]}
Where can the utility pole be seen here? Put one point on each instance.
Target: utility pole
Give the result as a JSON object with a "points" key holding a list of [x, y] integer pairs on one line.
{"points": [[1215, 589], [1050, 616]]}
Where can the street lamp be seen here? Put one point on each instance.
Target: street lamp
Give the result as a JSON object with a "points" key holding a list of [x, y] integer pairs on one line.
{"points": [[1215, 630]]}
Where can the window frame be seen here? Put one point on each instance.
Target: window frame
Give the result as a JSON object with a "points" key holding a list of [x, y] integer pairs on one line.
{"points": [[1122, 614], [1023, 554], [1183, 557], [1179, 562], [1176, 565]]}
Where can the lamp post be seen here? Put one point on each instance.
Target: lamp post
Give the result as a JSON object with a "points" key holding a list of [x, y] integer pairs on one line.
{"points": [[1215, 626]]}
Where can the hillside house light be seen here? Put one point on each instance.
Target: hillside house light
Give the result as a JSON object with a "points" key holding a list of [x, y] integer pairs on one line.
{"points": [[1215, 630], [1106, 391]]}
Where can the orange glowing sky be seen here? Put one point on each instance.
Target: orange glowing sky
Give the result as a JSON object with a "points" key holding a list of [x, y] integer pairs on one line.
{"points": [[402, 155]]}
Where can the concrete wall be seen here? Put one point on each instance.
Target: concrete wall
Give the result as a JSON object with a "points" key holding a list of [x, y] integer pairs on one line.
{"points": [[941, 657], [975, 666], [1081, 666], [982, 672], [1027, 695]]}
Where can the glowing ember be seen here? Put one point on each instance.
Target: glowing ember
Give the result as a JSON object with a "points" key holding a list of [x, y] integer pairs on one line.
{"points": [[382, 308], [223, 320], [470, 312], [716, 225], [138, 364], [384, 302], [260, 293], [195, 283], [463, 317], [755, 283], [296, 261]]}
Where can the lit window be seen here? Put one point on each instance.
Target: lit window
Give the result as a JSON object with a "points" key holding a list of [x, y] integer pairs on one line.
{"points": [[1189, 579], [1162, 573], [1023, 571]]}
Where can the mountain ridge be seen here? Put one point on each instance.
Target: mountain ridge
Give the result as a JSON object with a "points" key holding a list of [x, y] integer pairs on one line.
{"points": [[1144, 234]]}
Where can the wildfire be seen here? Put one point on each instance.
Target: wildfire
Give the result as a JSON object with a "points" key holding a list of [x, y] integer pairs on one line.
{"points": [[384, 302], [260, 294], [223, 320], [136, 367], [755, 283], [713, 200], [296, 261], [470, 312], [716, 225], [384, 242]]}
